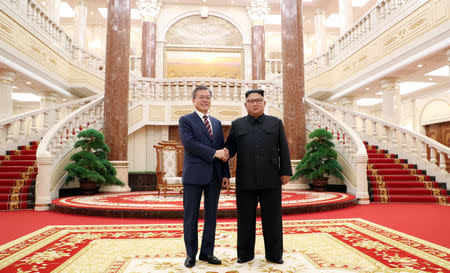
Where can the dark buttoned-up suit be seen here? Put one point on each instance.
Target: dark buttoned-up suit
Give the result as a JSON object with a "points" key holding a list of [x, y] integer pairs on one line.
{"points": [[262, 157], [201, 173]]}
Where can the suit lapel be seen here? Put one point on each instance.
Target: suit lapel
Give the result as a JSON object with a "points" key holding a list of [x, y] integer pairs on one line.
{"points": [[200, 123]]}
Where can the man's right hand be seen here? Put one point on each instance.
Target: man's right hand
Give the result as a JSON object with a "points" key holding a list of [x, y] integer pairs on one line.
{"points": [[222, 155]]}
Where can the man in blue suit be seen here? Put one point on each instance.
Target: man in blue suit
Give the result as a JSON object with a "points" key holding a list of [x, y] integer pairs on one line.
{"points": [[203, 172]]}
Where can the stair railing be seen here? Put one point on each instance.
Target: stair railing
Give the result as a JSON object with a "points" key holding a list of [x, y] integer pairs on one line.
{"points": [[348, 144], [397, 140], [33, 125], [32, 17], [55, 145]]}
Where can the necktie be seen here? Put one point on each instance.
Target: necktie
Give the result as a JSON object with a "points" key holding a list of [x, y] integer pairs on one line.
{"points": [[208, 126]]}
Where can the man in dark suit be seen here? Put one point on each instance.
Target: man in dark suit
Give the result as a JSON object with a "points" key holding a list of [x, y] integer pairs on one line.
{"points": [[203, 172], [263, 165]]}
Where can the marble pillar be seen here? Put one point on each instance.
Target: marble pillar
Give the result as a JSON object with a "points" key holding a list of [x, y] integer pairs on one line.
{"points": [[80, 24], [6, 84], [148, 49], [258, 50], [448, 61], [346, 14], [116, 87], [391, 104], [319, 30], [52, 7], [293, 80], [159, 69], [149, 10]]}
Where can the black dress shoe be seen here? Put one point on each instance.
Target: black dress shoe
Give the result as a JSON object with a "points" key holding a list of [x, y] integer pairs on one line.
{"points": [[276, 261], [210, 259], [189, 262], [242, 260]]}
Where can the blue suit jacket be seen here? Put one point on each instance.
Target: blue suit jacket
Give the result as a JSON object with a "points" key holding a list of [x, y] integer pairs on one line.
{"points": [[199, 150]]}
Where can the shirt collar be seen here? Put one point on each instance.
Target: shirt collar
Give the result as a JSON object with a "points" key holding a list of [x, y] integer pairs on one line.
{"points": [[200, 114], [259, 119]]}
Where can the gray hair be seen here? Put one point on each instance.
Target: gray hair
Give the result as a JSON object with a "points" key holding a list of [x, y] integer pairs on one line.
{"points": [[200, 87]]}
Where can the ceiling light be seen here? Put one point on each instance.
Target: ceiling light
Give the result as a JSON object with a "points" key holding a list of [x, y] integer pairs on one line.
{"points": [[430, 79], [419, 65], [368, 101], [14, 87], [65, 10], [28, 83], [367, 88], [273, 19], [334, 20], [408, 87], [134, 13], [440, 72], [25, 97], [359, 3]]}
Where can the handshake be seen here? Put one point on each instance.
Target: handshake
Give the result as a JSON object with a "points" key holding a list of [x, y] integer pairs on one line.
{"points": [[222, 154]]}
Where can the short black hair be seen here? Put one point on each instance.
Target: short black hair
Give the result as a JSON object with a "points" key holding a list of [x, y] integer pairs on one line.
{"points": [[200, 87], [259, 91]]}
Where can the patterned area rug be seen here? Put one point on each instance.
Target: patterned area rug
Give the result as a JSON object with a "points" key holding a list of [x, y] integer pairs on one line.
{"points": [[347, 245], [152, 201]]}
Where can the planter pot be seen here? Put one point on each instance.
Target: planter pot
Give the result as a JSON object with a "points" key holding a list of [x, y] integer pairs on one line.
{"points": [[88, 187], [320, 184]]}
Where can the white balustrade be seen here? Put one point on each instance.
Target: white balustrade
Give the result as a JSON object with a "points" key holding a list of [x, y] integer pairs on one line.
{"points": [[179, 89], [347, 142], [32, 126], [46, 29], [57, 142], [349, 42], [400, 140]]}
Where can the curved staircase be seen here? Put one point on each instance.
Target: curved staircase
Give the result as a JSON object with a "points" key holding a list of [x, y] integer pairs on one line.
{"points": [[18, 172], [395, 180]]}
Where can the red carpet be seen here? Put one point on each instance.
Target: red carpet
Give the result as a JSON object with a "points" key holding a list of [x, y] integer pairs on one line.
{"points": [[394, 180], [334, 245], [17, 177]]}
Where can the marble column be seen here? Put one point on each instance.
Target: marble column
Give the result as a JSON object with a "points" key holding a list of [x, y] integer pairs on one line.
{"points": [[116, 88], [80, 23], [448, 61], [6, 84], [160, 59], [257, 12], [293, 79], [391, 104], [52, 7], [149, 10], [319, 30], [346, 14]]}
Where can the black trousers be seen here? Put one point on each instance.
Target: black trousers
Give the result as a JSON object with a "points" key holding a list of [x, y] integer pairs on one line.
{"points": [[270, 202], [192, 195]]}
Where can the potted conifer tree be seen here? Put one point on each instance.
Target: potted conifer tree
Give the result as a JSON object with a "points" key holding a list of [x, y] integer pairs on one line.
{"points": [[320, 159], [91, 165]]}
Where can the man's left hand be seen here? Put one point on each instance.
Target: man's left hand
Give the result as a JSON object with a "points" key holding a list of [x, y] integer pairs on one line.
{"points": [[285, 179]]}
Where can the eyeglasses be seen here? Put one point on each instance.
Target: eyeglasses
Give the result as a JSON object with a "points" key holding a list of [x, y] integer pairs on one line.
{"points": [[254, 100]]}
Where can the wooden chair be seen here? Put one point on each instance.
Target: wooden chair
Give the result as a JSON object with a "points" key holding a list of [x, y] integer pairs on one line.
{"points": [[169, 166]]}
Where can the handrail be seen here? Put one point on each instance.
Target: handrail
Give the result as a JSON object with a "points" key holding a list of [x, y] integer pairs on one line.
{"points": [[348, 144], [57, 143], [398, 139], [31, 126]]}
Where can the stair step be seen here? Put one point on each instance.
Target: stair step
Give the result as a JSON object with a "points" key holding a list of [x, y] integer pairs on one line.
{"points": [[411, 199], [391, 166], [17, 157], [386, 160], [18, 163], [27, 147], [409, 191], [24, 205], [4, 169], [16, 182], [16, 197], [374, 151], [400, 178], [371, 155], [396, 172], [18, 175], [12, 189], [21, 152], [404, 184]]}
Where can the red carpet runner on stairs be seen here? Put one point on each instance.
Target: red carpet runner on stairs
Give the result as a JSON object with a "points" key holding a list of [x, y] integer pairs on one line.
{"points": [[18, 172], [394, 180]]}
